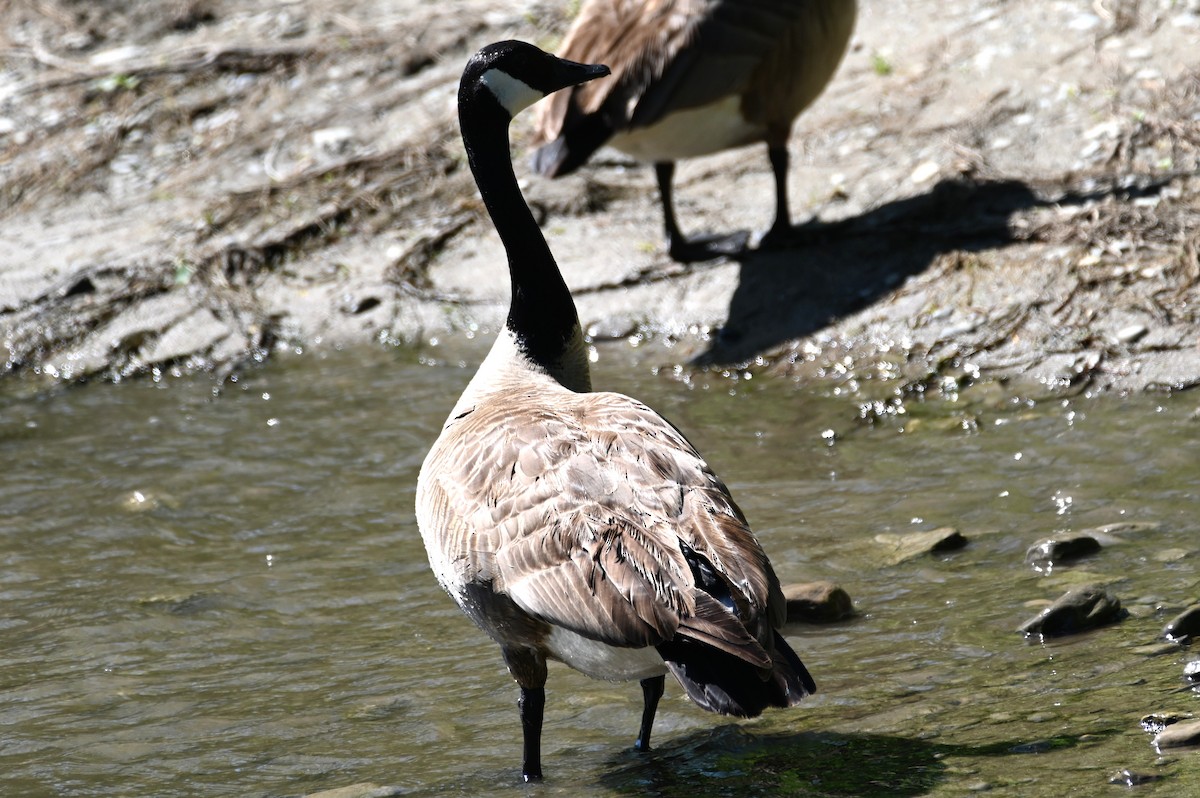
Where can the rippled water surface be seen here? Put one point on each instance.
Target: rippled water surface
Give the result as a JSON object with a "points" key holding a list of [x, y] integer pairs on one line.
{"points": [[229, 596]]}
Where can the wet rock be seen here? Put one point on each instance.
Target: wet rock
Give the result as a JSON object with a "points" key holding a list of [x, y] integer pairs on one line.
{"points": [[817, 602], [918, 544], [1179, 735], [1157, 721], [364, 790], [1076, 611], [1045, 554], [1191, 671], [1184, 626], [195, 332], [128, 331], [383, 709]]}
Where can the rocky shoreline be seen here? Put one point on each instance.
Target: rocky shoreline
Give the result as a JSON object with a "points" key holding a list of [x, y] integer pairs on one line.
{"points": [[997, 192]]}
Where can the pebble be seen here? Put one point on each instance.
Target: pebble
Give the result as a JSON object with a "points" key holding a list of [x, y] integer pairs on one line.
{"points": [[108, 58], [1105, 130], [138, 501], [1075, 611], [924, 172], [1131, 333], [817, 602]]}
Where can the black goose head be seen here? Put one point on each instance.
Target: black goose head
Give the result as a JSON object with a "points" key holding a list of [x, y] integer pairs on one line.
{"points": [[516, 75]]}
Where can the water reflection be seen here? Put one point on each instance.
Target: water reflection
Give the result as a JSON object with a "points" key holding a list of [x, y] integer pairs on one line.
{"points": [[228, 596]]}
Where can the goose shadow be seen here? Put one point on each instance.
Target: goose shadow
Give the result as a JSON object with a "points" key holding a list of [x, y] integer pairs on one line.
{"points": [[731, 760], [828, 270]]}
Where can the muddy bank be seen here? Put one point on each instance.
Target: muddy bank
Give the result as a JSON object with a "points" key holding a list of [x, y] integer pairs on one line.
{"points": [[989, 191]]}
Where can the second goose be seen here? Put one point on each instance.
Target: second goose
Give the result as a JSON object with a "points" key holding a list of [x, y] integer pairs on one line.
{"points": [[693, 77]]}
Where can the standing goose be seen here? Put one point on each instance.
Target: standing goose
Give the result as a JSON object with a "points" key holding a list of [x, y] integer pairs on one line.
{"points": [[694, 77], [577, 526]]}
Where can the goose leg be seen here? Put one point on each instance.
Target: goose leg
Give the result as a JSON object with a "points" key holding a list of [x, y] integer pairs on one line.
{"points": [[696, 249], [664, 172], [652, 690], [532, 703], [782, 225], [528, 668]]}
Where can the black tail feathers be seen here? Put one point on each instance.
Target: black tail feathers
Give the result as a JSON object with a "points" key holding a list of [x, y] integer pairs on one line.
{"points": [[721, 682]]}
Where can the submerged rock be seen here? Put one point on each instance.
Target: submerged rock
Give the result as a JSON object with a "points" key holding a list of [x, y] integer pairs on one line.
{"points": [[192, 604], [1075, 611], [1128, 778], [1184, 626], [1121, 528], [1179, 735], [1159, 649], [817, 602], [918, 544], [1047, 553]]}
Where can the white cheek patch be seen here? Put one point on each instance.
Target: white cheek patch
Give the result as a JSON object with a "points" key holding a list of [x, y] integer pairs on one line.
{"points": [[513, 94]]}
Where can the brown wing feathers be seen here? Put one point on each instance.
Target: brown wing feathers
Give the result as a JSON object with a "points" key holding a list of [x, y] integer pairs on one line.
{"points": [[605, 499]]}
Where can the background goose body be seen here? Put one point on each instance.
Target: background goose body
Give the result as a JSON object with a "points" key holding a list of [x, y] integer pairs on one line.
{"points": [[581, 526], [693, 77]]}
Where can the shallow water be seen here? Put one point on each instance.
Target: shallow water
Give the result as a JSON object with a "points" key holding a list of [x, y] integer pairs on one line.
{"points": [[229, 596]]}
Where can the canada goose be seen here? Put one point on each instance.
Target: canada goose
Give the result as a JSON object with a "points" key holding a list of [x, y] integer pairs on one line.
{"points": [[578, 526], [693, 77]]}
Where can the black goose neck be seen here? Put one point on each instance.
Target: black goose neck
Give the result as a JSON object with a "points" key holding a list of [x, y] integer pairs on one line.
{"points": [[541, 316]]}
